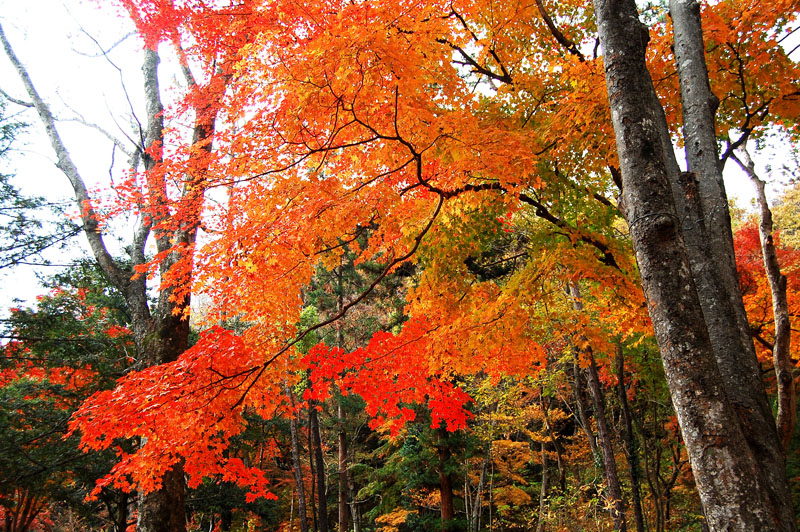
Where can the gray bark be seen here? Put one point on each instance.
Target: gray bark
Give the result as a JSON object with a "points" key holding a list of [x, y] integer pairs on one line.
{"points": [[781, 354], [717, 280], [160, 336], [726, 473]]}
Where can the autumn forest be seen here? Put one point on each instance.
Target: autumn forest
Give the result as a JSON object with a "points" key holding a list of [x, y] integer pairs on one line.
{"points": [[410, 265]]}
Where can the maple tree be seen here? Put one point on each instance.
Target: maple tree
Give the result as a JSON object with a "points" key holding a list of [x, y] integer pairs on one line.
{"points": [[470, 145]]}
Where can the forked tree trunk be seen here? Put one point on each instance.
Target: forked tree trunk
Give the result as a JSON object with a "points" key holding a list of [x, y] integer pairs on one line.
{"points": [[726, 473], [717, 281], [160, 334]]}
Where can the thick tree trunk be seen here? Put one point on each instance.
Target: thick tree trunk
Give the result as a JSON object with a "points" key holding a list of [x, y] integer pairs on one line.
{"points": [[725, 470], [718, 285], [631, 451], [445, 481], [781, 355], [121, 511], [163, 510], [319, 459]]}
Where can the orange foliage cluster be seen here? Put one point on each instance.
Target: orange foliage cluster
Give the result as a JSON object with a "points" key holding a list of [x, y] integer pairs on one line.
{"points": [[756, 290], [405, 123]]}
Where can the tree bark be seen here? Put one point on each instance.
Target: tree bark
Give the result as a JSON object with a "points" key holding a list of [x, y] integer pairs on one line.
{"points": [[718, 282], [319, 459], [160, 336], [781, 350], [617, 506], [631, 451], [344, 492], [447, 507], [604, 441], [543, 491], [296, 465], [582, 406], [725, 470]]}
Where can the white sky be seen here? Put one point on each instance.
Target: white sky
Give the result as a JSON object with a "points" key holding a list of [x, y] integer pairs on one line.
{"points": [[47, 38], [66, 70]]}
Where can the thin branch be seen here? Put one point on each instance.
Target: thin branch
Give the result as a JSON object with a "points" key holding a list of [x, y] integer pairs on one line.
{"points": [[17, 101]]}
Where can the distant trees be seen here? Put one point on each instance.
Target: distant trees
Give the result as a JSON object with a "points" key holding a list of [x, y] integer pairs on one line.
{"points": [[418, 242]]}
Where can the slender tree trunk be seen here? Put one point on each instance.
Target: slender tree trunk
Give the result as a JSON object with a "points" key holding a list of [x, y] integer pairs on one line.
{"points": [[319, 459], [781, 350], [313, 473], [296, 465], [721, 298], [562, 473], [582, 406], [725, 470], [543, 491], [344, 491], [606, 445], [631, 450], [476, 504], [343, 484]]}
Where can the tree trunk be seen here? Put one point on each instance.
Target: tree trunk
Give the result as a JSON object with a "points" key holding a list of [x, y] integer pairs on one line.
{"points": [[781, 354], [160, 336], [313, 474], [606, 445], [617, 506], [582, 406], [163, 510], [720, 294], [445, 481], [296, 465], [725, 470], [322, 495], [631, 450], [562, 473], [344, 492], [543, 491]]}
